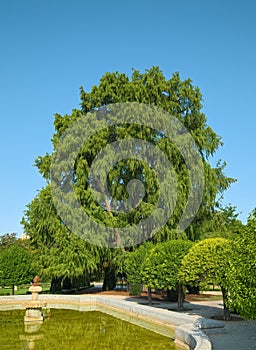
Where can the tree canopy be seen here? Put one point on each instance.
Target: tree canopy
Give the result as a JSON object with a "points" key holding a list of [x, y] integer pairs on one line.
{"points": [[160, 268], [133, 262], [61, 252], [162, 263], [223, 223], [7, 240], [180, 99], [16, 266], [207, 263]]}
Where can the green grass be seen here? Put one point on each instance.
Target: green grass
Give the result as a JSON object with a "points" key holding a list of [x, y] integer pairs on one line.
{"points": [[209, 298], [23, 289]]}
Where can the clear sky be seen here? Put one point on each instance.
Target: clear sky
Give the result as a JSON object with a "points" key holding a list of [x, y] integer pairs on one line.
{"points": [[49, 48]]}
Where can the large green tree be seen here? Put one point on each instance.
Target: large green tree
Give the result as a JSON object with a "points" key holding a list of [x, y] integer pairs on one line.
{"points": [[179, 98]]}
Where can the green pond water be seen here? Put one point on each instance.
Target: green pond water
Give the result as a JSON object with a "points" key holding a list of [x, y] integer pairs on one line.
{"points": [[68, 329]]}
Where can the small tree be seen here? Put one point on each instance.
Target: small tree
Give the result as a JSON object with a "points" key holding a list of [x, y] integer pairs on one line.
{"points": [[132, 267], [206, 263], [15, 266], [161, 266]]}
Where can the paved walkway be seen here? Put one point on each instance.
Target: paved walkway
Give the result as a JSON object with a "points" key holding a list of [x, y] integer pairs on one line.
{"points": [[237, 335]]}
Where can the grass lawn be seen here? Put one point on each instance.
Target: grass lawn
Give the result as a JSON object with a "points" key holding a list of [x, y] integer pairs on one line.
{"points": [[209, 297], [23, 289], [202, 297]]}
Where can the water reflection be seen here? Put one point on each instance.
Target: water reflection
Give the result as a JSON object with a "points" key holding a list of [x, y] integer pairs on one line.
{"points": [[68, 329]]}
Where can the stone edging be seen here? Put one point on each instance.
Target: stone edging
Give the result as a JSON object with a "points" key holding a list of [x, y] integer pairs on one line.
{"points": [[186, 329]]}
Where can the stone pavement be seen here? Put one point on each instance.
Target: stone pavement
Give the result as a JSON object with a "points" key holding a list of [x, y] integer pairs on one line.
{"points": [[236, 335]]}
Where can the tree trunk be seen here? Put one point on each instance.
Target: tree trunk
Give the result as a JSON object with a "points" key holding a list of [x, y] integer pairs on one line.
{"points": [[56, 285], [66, 283], [180, 297], [13, 289], [117, 235], [109, 278], [149, 296], [227, 316]]}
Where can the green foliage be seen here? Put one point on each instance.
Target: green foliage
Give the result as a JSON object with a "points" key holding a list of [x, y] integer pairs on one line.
{"points": [[162, 263], [135, 288], [7, 240], [59, 253], [133, 262], [222, 223], [16, 266], [241, 277], [179, 98], [205, 263]]}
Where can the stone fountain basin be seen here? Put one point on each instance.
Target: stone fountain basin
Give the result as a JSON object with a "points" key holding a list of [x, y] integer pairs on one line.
{"points": [[185, 329]]}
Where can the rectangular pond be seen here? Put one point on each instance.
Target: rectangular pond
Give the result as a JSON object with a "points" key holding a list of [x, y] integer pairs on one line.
{"points": [[68, 329]]}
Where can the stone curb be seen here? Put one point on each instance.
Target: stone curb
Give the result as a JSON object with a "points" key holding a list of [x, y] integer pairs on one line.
{"points": [[195, 339]]}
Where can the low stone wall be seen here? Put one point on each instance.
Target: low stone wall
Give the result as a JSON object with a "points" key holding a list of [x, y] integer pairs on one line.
{"points": [[186, 329]]}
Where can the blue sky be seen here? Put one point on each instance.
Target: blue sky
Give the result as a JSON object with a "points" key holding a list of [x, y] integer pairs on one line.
{"points": [[49, 48]]}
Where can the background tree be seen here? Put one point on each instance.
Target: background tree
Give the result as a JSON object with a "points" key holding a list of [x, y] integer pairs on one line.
{"points": [[206, 263], [61, 256], [223, 223], [241, 277], [161, 266], [7, 240], [16, 266]]}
